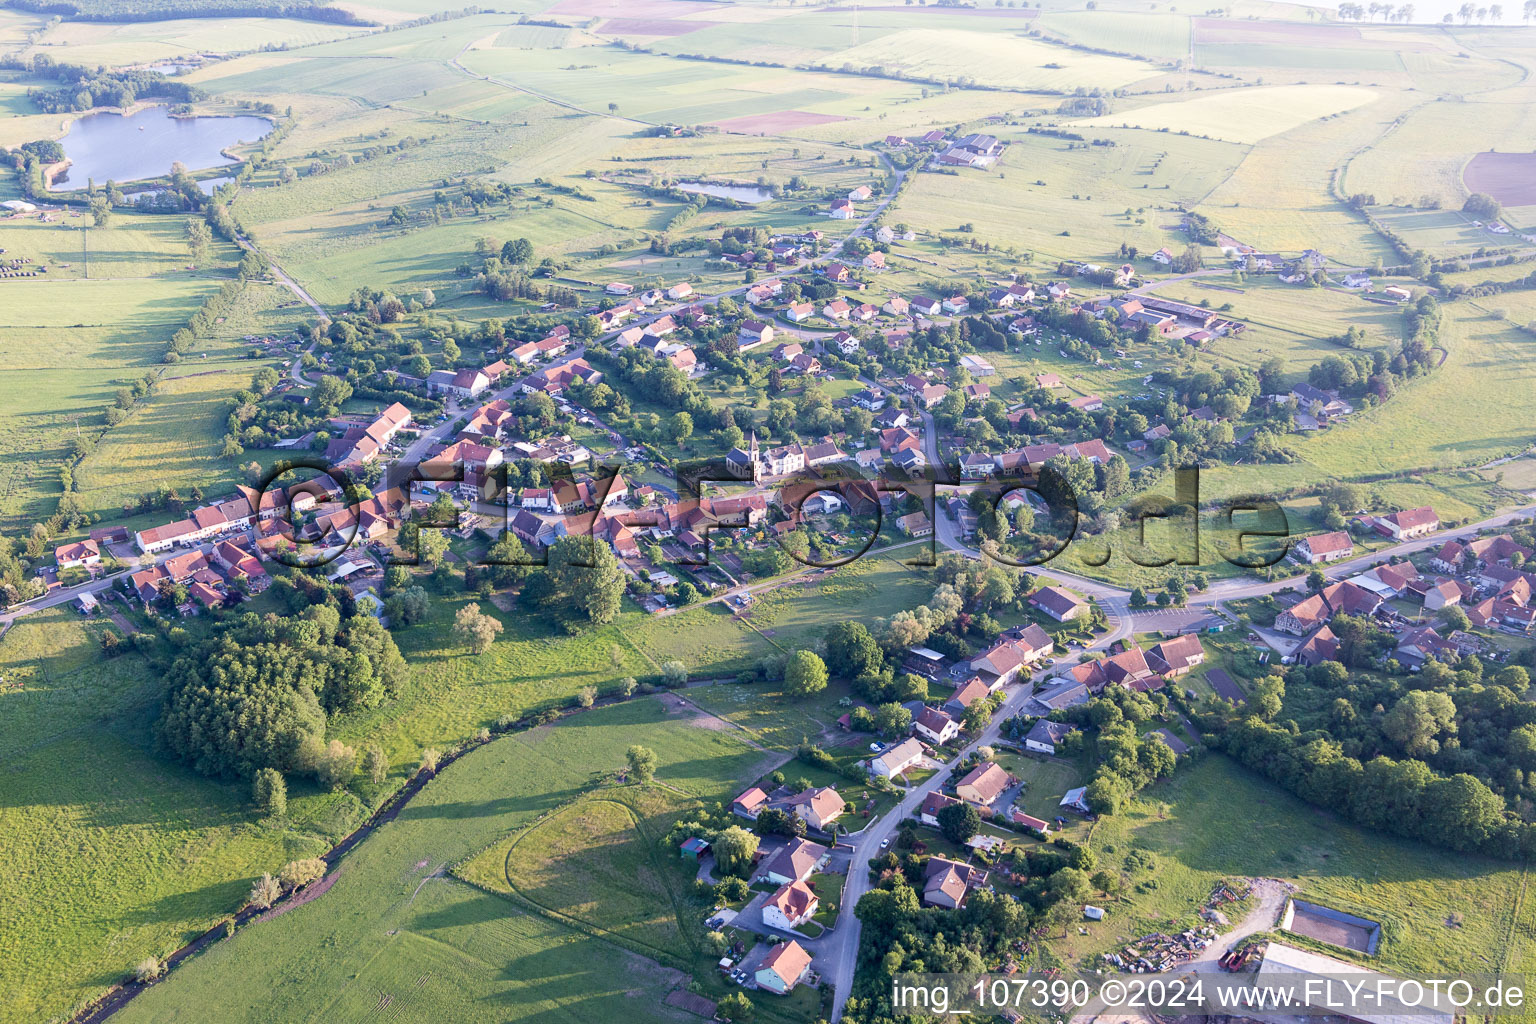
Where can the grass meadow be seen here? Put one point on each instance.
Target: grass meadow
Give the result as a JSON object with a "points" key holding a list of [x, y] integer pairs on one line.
{"points": [[108, 306], [1215, 820], [113, 853], [395, 929], [1070, 203]]}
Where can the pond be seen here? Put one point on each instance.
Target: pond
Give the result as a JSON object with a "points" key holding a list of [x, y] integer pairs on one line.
{"points": [[106, 147], [740, 193]]}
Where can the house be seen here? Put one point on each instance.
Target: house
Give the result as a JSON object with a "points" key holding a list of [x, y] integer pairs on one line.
{"points": [[681, 290], [842, 209], [1446, 592], [79, 555], [955, 305], [818, 808], [933, 803], [787, 350], [753, 333], [1045, 734], [846, 343], [1420, 645], [805, 363], [931, 395], [869, 399], [1322, 404], [861, 193], [1357, 280], [949, 882], [1128, 669], [619, 288], [1163, 256], [926, 306], [784, 968], [800, 311], [1061, 605], [1325, 547], [790, 907], [874, 261], [750, 804], [1076, 800], [796, 862], [1010, 657], [896, 306], [163, 538], [1321, 646], [1038, 826], [1173, 658], [1409, 523], [463, 383], [897, 758], [1087, 403], [836, 272], [935, 726], [837, 309], [984, 784], [968, 693], [1311, 612], [915, 525]]}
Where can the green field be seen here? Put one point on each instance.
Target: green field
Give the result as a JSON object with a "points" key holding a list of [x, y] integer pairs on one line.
{"points": [[110, 301], [1215, 820], [392, 926], [114, 852]]}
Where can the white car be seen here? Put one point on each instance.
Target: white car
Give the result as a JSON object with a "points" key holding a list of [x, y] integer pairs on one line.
{"points": [[885, 842], [875, 747]]}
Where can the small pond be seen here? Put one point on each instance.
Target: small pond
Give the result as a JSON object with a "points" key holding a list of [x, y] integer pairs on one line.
{"points": [[106, 147]]}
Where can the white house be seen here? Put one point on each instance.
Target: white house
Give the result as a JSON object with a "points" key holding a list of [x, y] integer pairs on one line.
{"points": [[790, 907], [935, 726], [796, 862], [896, 759]]}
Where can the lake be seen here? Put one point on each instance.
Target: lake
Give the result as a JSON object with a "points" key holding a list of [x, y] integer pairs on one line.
{"points": [[740, 193], [110, 147]]}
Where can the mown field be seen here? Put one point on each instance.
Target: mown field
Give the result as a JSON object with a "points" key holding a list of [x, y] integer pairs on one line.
{"points": [[108, 305], [393, 930], [1240, 115]]}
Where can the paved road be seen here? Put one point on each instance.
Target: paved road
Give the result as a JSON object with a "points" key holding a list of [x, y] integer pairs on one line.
{"points": [[844, 947]]}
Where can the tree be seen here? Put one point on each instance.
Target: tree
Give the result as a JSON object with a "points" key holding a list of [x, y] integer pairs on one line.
{"points": [[805, 674], [199, 238], [1454, 617], [265, 892], [473, 627], [298, 873], [586, 696], [680, 427], [148, 970], [642, 763], [959, 822], [583, 578], [270, 791], [1417, 718], [892, 719], [736, 1008], [375, 763], [852, 650], [518, 251], [734, 848], [674, 673], [336, 766], [1106, 882], [429, 758], [1316, 581]]}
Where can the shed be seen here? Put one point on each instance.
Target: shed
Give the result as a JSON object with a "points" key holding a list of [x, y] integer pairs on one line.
{"points": [[694, 848], [1093, 913]]}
